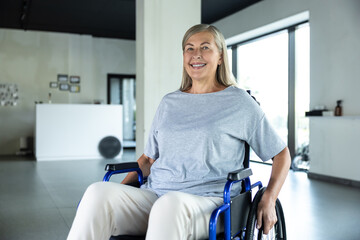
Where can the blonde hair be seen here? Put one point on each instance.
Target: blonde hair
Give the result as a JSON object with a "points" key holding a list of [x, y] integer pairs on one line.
{"points": [[223, 74]]}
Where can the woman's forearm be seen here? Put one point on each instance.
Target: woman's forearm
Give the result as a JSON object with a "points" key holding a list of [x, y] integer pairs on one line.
{"points": [[266, 215], [280, 169], [144, 164]]}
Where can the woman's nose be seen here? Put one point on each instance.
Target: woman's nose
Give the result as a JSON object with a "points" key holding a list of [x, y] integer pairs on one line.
{"points": [[197, 54]]}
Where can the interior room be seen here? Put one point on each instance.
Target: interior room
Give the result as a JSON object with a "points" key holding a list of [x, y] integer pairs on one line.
{"points": [[80, 84]]}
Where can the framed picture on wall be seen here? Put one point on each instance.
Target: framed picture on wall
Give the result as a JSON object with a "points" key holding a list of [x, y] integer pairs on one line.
{"points": [[74, 88], [75, 79], [62, 78], [64, 87], [54, 85]]}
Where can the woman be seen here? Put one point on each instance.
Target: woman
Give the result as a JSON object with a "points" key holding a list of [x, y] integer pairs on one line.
{"points": [[196, 138]]}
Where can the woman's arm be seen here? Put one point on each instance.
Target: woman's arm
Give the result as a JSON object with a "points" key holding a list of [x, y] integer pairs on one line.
{"points": [[145, 164], [266, 210]]}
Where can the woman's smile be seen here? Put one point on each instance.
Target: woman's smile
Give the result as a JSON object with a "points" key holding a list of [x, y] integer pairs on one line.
{"points": [[198, 65]]}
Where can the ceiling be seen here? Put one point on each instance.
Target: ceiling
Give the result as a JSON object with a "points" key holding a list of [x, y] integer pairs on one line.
{"points": [[99, 18]]}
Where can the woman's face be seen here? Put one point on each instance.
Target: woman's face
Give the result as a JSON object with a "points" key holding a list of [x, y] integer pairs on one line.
{"points": [[201, 57]]}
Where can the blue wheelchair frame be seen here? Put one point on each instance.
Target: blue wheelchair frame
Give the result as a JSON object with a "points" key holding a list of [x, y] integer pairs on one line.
{"points": [[241, 175]]}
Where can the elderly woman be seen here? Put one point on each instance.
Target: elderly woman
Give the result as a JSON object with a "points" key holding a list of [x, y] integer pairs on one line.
{"points": [[196, 138]]}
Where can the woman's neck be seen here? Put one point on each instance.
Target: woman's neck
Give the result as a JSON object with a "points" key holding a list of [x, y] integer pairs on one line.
{"points": [[199, 88]]}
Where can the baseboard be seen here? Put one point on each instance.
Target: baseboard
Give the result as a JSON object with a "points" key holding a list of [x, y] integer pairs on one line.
{"points": [[336, 180], [17, 157]]}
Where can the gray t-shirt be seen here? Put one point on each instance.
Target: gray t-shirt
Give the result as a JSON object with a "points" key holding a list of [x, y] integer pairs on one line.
{"points": [[197, 139]]}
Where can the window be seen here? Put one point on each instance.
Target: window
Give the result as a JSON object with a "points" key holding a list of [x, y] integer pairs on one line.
{"points": [[302, 84], [262, 67], [275, 67]]}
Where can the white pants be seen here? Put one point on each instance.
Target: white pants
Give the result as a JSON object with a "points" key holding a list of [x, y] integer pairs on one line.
{"points": [[111, 209]]}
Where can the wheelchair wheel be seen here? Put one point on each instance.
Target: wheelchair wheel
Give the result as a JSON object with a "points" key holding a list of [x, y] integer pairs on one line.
{"points": [[278, 232]]}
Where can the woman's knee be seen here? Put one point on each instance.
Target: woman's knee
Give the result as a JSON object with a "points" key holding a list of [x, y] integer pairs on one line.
{"points": [[98, 193], [170, 199], [98, 189], [171, 203]]}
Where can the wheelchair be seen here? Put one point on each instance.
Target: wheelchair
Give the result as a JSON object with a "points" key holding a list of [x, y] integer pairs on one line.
{"points": [[239, 212]]}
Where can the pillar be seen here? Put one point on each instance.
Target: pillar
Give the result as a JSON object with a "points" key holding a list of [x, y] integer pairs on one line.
{"points": [[160, 27]]}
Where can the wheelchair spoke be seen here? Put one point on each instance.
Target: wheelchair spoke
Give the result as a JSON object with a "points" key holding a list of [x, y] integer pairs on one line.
{"points": [[258, 235]]}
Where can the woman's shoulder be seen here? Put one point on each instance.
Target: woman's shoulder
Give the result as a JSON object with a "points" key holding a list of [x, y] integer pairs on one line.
{"points": [[169, 98], [171, 95], [236, 90], [238, 93], [243, 100]]}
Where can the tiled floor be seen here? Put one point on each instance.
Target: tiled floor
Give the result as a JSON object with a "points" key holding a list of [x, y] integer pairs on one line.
{"points": [[38, 200]]}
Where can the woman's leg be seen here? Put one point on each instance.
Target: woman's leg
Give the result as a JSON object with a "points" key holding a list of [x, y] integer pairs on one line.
{"points": [[109, 208], [181, 216]]}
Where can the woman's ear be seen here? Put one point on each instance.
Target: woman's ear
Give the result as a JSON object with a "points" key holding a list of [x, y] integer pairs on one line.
{"points": [[220, 60]]}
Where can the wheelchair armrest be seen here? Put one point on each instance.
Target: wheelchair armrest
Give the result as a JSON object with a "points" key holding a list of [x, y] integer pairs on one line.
{"points": [[121, 166], [118, 168], [239, 174]]}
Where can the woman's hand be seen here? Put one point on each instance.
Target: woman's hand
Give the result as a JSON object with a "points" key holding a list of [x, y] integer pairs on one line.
{"points": [[144, 164], [266, 214]]}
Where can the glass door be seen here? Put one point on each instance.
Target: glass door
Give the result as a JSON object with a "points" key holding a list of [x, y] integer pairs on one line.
{"points": [[121, 90]]}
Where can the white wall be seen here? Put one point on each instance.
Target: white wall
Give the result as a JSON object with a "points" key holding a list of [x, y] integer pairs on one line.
{"points": [[334, 61], [32, 59]]}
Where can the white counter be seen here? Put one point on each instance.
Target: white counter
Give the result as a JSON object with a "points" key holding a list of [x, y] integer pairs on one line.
{"points": [[73, 131], [334, 147]]}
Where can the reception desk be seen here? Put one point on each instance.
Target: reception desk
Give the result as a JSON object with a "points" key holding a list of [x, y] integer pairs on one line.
{"points": [[73, 131]]}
